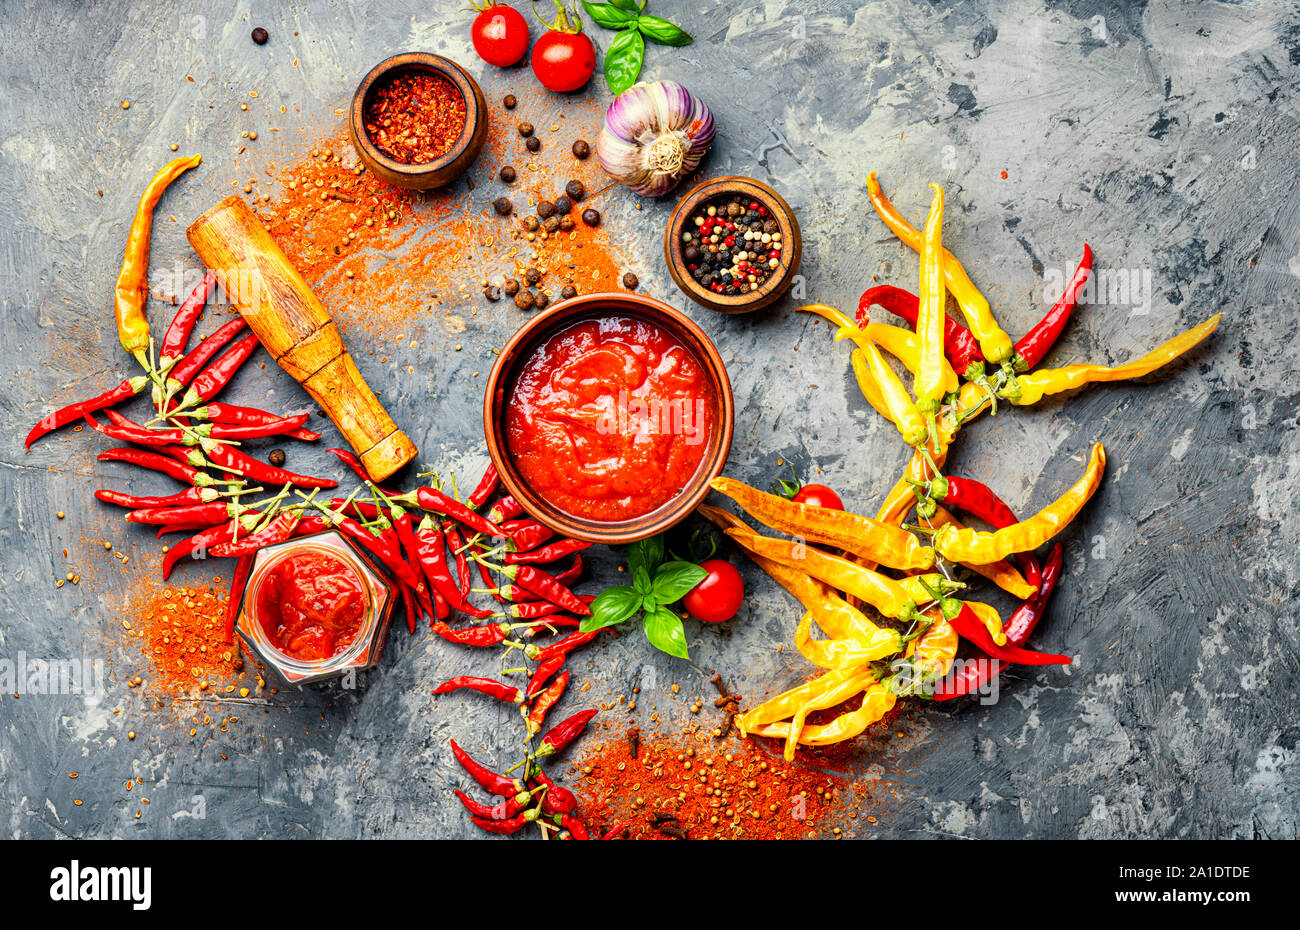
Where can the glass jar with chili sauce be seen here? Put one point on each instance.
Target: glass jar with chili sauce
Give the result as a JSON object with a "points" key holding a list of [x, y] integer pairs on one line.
{"points": [[315, 608]]}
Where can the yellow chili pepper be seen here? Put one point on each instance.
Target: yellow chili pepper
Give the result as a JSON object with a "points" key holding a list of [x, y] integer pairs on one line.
{"points": [[837, 618], [1032, 387], [1002, 573], [838, 684], [991, 619], [898, 406], [936, 648], [892, 598], [888, 545], [929, 383], [845, 653], [900, 498], [974, 547], [994, 342], [877, 701], [132, 289], [901, 343]]}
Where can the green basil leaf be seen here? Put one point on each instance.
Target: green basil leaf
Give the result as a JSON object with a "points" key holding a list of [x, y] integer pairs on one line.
{"points": [[623, 61], [645, 554], [657, 29], [611, 607], [641, 582], [609, 15], [674, 580], [666, 632], [630, 5]]}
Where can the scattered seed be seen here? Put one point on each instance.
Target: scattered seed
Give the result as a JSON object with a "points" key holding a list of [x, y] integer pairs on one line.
{"points": [[503, 206], [260, 35], [581, 149], [630, 281], [534, 144], [276, 457], [508, 174], [509, 101], [591, 217], [525, 129]]}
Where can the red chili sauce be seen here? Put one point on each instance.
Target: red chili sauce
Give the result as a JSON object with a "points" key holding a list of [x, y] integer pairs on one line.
{"points": [[610, 418], [311, 606]]}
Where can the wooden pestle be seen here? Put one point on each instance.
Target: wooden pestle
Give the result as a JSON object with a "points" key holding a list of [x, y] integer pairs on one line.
{"points": [[297, 330]]}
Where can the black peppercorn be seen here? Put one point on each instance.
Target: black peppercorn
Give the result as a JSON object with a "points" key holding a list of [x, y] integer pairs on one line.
{"points": [[591, 217], [576, 191], [260, 35], [276, 457], [509, 101], [545, 208], [534, 144], [524, 300], [563, 204], [691, 254], [568, 291], [581, 149], [503, 206], [511, 287], [508, 174], [525, 129], [630, 281]]}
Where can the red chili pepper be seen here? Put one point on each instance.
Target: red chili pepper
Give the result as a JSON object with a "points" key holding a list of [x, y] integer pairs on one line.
{"points": [[533, 610], [552, 553], [198, 544], [486, 485], [615, 830], [355, 465], [202, 514], [505, 509], [512, 593], [456, 543], [544, 702], [179, 499], [483, 636], [979, 499], [487, 779], [408, 605], [560, 736], [561, 647], [277, 531], [577, 829], [445, 504], [510, 826], [155, 461], [508, 808], [430, 546], [1035, 344], [959, 344], [559, 800], [65, 415], [526, 535], [230, 459], [248, 416], [282, 427], [182, 325], [310, 525], [381, 547], [542, 674], [492, 688], [243, 568], [1019, 626], [968, 625], [217, 375], [135, 433], [202, 353], [544, 585]]}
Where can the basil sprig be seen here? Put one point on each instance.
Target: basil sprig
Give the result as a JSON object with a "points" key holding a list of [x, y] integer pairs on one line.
{"points": [[655, 585], [625, 55]]}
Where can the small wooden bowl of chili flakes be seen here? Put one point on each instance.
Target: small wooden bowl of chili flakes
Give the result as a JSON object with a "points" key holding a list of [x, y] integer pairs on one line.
{"points": [[418, 120]]}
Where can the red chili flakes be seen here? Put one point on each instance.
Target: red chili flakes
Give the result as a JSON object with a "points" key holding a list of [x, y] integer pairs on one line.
{"points": [[415, 118]]}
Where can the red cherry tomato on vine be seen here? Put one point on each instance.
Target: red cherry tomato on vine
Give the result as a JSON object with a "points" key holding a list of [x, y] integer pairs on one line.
{"points": [[818, 495], [500, 35], [719, 595], [563, 61]]}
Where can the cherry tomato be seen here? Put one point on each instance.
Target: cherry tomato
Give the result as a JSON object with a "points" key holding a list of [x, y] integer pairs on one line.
{"points": [[563, 61], [500, 35], [719, 595], [818, 495]]}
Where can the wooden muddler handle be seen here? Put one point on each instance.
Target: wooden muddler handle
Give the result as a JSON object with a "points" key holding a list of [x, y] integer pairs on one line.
{"points": [[297, 330]]}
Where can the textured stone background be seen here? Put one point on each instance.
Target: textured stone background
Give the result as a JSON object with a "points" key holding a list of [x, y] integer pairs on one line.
{"points": [[1164, 134]]}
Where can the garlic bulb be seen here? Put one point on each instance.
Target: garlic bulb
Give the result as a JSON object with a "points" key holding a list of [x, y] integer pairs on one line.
{"points": [[655, 133]]}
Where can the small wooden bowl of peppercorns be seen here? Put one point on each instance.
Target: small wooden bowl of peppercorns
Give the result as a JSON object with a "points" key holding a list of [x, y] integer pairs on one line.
{"points": [[418, 120], [733, 244]]}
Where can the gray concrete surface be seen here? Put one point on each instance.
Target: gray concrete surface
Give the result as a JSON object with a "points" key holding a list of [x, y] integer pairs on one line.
{"points": [[1164, 134]]}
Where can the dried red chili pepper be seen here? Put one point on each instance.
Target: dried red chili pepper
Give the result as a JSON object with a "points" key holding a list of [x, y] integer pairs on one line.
{"points": [[970, 627], [487, 779], [491, 687], [1035, 344], [526, 535], [217, 375], [543, 672], [959, 344], [182, 325], [544, 702], [1019, 626], [577, 829], [247, 416], [456, 543], [198, 544], [533, 610], [381, 547], [209, 514], [511, 593], [509, 826], [552, 553], [283, 427]]}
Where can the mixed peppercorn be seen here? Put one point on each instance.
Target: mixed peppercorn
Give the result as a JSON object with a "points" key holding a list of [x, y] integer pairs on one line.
{"points": [[732, 245]]}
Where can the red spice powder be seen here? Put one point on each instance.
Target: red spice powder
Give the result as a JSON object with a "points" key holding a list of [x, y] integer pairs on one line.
{"points": [[415, 118], [181, 638]]}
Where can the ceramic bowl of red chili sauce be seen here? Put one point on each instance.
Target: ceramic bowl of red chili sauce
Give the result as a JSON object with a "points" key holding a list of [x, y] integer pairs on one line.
{"points": [[418, 120], [315, 608], [607, 416]]}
